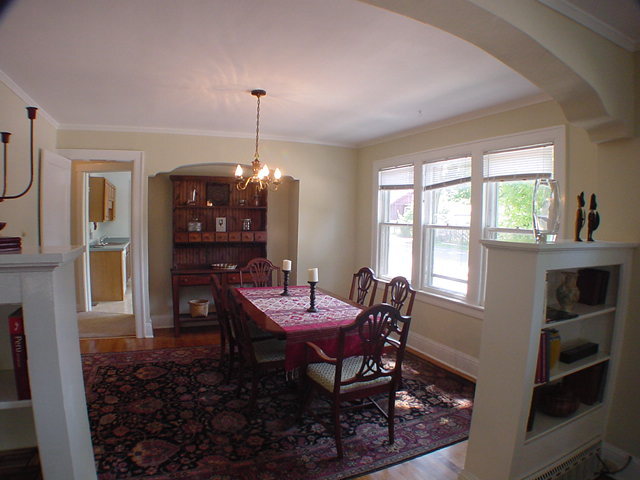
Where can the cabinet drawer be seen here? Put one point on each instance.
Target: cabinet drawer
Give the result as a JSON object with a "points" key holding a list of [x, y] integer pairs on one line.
{"points": [[247, 236], [233, 278], [222, 236], [181, 237], [260, 236], [208, 236], [195, 237], [234, 236], [194, 280]]}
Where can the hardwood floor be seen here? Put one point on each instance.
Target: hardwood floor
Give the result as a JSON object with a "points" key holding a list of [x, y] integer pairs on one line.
{"points": [[443, 464]]}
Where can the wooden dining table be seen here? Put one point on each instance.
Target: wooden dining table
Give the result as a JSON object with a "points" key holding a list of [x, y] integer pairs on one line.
{"points": [[287, 317]]}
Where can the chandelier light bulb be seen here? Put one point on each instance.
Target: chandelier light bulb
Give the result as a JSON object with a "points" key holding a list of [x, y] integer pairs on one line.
{"points": [[277, 174], [239, 171]]}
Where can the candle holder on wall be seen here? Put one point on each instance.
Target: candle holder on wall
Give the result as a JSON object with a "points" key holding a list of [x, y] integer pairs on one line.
{"points": [[312, 297], [285, 292]]}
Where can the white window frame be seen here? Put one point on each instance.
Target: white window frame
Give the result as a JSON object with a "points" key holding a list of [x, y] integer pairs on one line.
{"points": [[472, 304]]}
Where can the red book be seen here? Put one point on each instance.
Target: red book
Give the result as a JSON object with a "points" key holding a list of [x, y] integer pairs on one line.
{"points": [[19, 354]]}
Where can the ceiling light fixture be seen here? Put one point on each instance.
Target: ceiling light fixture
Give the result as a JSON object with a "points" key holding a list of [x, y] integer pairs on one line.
{"points": [[262, 176]]}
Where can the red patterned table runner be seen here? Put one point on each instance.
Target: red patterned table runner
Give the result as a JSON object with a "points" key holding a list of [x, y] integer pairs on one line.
{"points": [[290, 314]]}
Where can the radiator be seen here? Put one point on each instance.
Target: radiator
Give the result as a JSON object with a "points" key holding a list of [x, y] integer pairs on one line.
{"points": [[581, 464]]}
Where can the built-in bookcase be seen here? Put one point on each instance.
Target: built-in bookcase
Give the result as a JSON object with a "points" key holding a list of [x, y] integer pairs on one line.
{"points": [[511, 435]]}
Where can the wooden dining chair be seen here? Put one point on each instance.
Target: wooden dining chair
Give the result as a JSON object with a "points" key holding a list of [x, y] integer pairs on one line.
{"points": [[380, 328], [258, 355], [260, 273], [364, 284], [228, 338], [398, 292]]}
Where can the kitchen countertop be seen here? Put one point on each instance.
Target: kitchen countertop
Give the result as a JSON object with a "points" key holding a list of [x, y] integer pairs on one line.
{"points": [[112, 244]]}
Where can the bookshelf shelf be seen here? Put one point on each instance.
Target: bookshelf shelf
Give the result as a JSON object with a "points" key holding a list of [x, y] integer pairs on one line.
{"points": [[546, 424], [562, 370]]}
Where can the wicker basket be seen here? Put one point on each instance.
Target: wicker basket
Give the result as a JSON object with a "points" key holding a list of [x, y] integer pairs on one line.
{"points": [[558, 400], [199, 307]]}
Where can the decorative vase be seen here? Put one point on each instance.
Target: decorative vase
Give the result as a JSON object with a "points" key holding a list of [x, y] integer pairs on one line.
{"points": [[546, 209], [567, 292]]}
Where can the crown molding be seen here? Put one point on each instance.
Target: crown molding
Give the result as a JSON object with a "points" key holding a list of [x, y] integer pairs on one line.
{"points": [[13, 86]]}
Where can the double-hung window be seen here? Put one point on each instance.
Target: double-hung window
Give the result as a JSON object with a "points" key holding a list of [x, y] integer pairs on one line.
{"points": [[446, 223], [460, 195], [395, 220]]}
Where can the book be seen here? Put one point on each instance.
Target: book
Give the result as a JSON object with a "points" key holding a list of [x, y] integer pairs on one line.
{"points": [[19, 354], [592, 284]]}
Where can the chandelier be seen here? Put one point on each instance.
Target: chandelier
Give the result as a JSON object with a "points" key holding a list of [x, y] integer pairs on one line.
{"points": [[262, 176]]}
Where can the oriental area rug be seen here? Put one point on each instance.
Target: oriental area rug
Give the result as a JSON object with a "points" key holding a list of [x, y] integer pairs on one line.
{"points": [[168, 414]]}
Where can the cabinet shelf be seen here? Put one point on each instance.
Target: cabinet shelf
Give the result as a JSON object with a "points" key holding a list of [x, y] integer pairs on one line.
{"points": [[8, 394], [562, 370], [584, 312], [220, 207], [546, 424]]}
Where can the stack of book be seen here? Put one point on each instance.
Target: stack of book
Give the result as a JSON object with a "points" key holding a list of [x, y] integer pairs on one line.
{"points": [[10, 244], [548, 353]]}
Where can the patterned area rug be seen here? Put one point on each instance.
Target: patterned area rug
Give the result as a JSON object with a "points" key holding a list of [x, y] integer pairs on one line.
{"points": [[167, 415]]}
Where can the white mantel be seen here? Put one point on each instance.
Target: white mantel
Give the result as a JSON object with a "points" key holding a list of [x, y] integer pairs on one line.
{"points": [[42, 280]]}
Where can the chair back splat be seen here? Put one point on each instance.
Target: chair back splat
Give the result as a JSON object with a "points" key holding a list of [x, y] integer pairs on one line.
{"points": [[398, 292], [261, 272], [364, 282]]}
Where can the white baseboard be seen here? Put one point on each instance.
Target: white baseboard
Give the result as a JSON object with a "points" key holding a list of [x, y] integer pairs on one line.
{"points": [[616, 458], [444, 354]]}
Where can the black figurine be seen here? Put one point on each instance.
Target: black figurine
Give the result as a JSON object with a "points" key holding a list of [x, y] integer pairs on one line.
{"points": [[593, 220], [580, 217]]}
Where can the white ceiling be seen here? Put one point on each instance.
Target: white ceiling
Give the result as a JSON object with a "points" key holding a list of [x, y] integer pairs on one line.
{"points": [[336, 72]]}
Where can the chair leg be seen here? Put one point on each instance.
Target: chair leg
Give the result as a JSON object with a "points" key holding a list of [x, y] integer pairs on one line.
{"points": [[337, 429], [391, 415]]}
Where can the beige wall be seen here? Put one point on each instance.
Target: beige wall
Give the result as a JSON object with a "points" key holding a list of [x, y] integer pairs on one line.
{"points": [[324, 189], [610, 170]]}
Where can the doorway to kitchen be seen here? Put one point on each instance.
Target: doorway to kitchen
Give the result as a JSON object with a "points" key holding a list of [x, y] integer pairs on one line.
{"points": [[96, 163]]}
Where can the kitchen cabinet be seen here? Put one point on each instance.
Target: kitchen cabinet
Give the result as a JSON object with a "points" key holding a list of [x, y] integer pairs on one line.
{"points": [[109, 272], [102, 200]]}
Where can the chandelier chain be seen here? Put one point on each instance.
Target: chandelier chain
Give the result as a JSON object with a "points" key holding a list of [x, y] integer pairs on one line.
{"points": [[257, 126]]}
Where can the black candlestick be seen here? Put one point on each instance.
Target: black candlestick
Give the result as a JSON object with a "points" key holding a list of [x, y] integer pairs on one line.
{"points": [[312, 297], [285, 292]]}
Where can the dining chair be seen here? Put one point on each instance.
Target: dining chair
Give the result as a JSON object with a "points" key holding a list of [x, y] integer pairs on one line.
{"points": [[398, 292], [258, 355], [382, 335], [228, 338], [364, 282], [261, 272]]}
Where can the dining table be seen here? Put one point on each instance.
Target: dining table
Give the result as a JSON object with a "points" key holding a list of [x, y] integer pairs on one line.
{"points": [[287, 317]]}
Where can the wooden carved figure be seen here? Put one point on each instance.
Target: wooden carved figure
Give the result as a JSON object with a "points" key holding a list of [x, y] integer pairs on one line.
{"points": [[580, 217], [593, 220]]}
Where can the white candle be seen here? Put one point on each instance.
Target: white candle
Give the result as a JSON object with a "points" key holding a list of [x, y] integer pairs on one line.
{"points": [[286, 265], [313, 274]]}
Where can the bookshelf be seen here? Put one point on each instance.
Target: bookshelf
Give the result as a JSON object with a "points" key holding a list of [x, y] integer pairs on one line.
{"points": [[521, 283], [42, 281]]}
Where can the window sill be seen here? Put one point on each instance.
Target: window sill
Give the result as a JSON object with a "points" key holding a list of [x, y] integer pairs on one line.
{"points": [[454, 305]]}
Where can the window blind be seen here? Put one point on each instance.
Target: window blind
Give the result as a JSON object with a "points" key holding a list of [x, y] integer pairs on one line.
{"points": [[396, 178], [525, 163], [447, 172]]}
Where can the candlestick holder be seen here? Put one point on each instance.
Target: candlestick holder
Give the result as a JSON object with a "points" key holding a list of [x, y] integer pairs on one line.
{"points": [[312, 297], [285, 292]]}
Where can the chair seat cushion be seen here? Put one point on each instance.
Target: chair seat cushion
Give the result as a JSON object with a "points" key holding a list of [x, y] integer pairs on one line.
{"points": [[324, 374], [271, 350]]}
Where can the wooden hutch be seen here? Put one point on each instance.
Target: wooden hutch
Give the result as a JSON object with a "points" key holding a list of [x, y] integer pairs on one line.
{"points": [[216, 229]]}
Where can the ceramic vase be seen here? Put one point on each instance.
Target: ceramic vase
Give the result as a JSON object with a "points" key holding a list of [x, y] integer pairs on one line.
{"points": [[567, 292]]}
